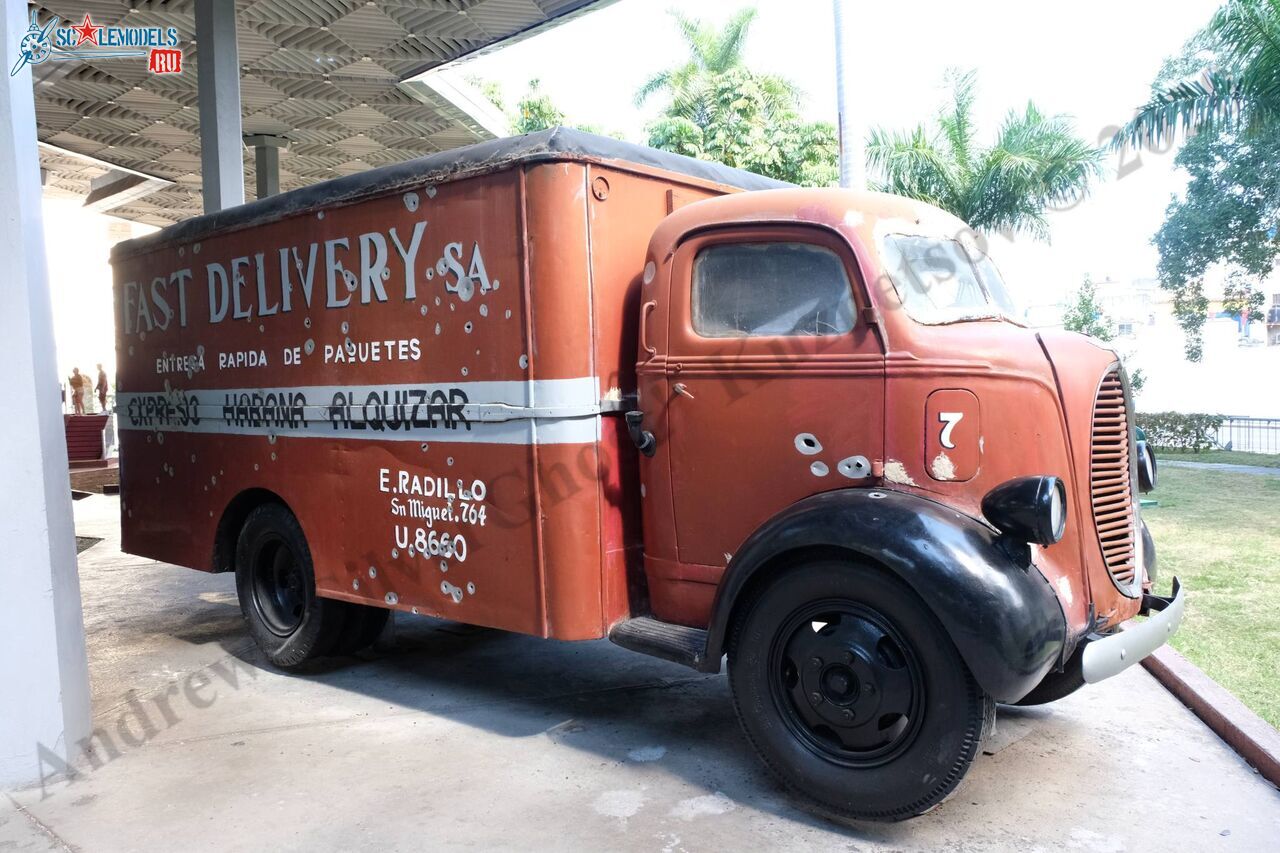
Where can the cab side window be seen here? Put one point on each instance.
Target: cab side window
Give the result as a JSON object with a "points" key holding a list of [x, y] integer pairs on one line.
{"points": [[770, 289]]}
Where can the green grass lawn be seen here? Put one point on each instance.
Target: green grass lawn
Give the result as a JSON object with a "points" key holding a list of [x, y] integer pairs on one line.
{"points": [[1220, 534], [1233, 457]]}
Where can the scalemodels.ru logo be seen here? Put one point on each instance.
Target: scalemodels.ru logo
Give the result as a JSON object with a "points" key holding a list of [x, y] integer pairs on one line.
{"points": [[88, 40]]}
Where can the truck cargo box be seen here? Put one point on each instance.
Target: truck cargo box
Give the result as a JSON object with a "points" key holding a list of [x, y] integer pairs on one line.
{"points": [[425, 363]]}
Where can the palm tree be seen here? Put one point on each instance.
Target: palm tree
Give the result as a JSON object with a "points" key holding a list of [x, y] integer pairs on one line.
{"points": [[713, 53], [1037, 162], [1241, 90]]}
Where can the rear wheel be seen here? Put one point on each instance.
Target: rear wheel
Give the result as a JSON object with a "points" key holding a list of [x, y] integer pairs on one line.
{"points": [[277, 590], [853, 694], [363, 625]]}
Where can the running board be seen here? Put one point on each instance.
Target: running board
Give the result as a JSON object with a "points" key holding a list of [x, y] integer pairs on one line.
{"points": [[676, 643]]}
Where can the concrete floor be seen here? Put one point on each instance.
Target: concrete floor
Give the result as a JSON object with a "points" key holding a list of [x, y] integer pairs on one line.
{"points": [[465, 738]]}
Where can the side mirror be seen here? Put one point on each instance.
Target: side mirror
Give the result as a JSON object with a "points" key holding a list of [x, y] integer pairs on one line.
{"points": [[1147, 472]]}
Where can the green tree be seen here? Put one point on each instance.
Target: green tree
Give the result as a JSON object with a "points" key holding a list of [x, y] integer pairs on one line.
{"points": [[1227, 215], [1237, 86], [717, 108], [536, 111], [1085, 315], [1037, 162]]}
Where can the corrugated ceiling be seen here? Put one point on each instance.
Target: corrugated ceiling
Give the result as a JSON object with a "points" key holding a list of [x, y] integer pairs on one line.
{"points": [[324, 74]]}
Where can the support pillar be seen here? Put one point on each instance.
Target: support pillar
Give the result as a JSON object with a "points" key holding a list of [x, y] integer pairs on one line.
{"points": [[44, 678], [218, 88], [852, 119], [266, 161]]}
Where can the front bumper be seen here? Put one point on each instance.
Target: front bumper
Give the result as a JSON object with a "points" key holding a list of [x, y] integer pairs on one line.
{"points": [[1106, 656]]}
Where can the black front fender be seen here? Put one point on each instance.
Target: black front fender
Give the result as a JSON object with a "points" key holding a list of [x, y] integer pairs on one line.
{"points": [[1004, 618]]}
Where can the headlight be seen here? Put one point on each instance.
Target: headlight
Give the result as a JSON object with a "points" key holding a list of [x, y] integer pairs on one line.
{"points": [[1029, 509], [1146, 467]]}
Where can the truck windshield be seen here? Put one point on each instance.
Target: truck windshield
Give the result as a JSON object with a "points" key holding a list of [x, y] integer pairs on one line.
{"points": [[944, 280]]}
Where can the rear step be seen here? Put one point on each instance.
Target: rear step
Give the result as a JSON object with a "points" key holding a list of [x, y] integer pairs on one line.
{"points": [[676, 643]]}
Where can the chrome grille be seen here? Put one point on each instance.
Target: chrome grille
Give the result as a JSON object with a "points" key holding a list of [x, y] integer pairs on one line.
{"points": [[1109, 480]]}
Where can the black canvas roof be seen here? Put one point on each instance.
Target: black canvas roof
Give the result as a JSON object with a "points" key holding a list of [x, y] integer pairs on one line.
{"points": [[555, 144]]}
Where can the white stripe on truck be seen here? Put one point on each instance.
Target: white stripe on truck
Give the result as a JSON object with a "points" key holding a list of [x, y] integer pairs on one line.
{"points": [[544, 411]]}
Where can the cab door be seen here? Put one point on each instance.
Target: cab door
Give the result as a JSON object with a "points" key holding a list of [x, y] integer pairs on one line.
{"points": [[775, 383]]}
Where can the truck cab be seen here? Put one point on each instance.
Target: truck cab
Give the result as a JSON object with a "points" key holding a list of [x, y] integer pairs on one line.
{"points": [[835, 385]]}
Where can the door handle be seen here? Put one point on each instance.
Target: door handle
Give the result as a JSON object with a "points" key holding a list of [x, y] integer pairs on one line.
{"points": [[644, 329], [683, 390], [641, 437]]}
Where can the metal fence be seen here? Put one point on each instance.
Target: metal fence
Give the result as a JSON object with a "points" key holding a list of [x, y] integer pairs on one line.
{"points": [[1252, 435]]}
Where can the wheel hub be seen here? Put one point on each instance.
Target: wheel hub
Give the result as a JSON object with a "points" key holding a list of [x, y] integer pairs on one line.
{"points": [[279, 592], [847, 683]]}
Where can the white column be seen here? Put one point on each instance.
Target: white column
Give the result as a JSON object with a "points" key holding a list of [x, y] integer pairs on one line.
{"points": [[266, 160], [853, 124], [44, 679], [218, 87]]}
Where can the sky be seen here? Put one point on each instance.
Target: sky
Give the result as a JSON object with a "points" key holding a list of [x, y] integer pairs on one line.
{"points": [[1090, 59]]}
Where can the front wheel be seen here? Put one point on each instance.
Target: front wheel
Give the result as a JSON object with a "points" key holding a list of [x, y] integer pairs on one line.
{"points": [[852, 692]]}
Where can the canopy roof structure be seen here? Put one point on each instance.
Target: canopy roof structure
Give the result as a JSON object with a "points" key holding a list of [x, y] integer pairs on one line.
{"points": [[333, 77]]}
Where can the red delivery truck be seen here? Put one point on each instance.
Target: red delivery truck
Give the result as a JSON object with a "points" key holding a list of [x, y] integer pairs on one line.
{"points": [[577, 388]]}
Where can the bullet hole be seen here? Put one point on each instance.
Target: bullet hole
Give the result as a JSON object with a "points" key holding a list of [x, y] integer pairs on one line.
{"points": [[195, 250], [319, 214], [425, 447], [373, 573], [468, 326], [273, 457], [808, 444], [464, 371], [444, 566], [650, 270], [508, 314], [438, 303], [182, 250], [355, 583], [450, 461], [392, 598], [430, 191], [437, 328], [346, 327], [524, 361], [310, 346], [411, 202], [395, 553], [423, 310], [484, 310], [471, 589], [431, 273], [307, 322], [819, 469]]}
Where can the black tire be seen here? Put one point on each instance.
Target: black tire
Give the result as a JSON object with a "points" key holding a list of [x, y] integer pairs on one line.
{"points": [[363, 625], [880, 718], [277, 589], [1056, 685]]}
